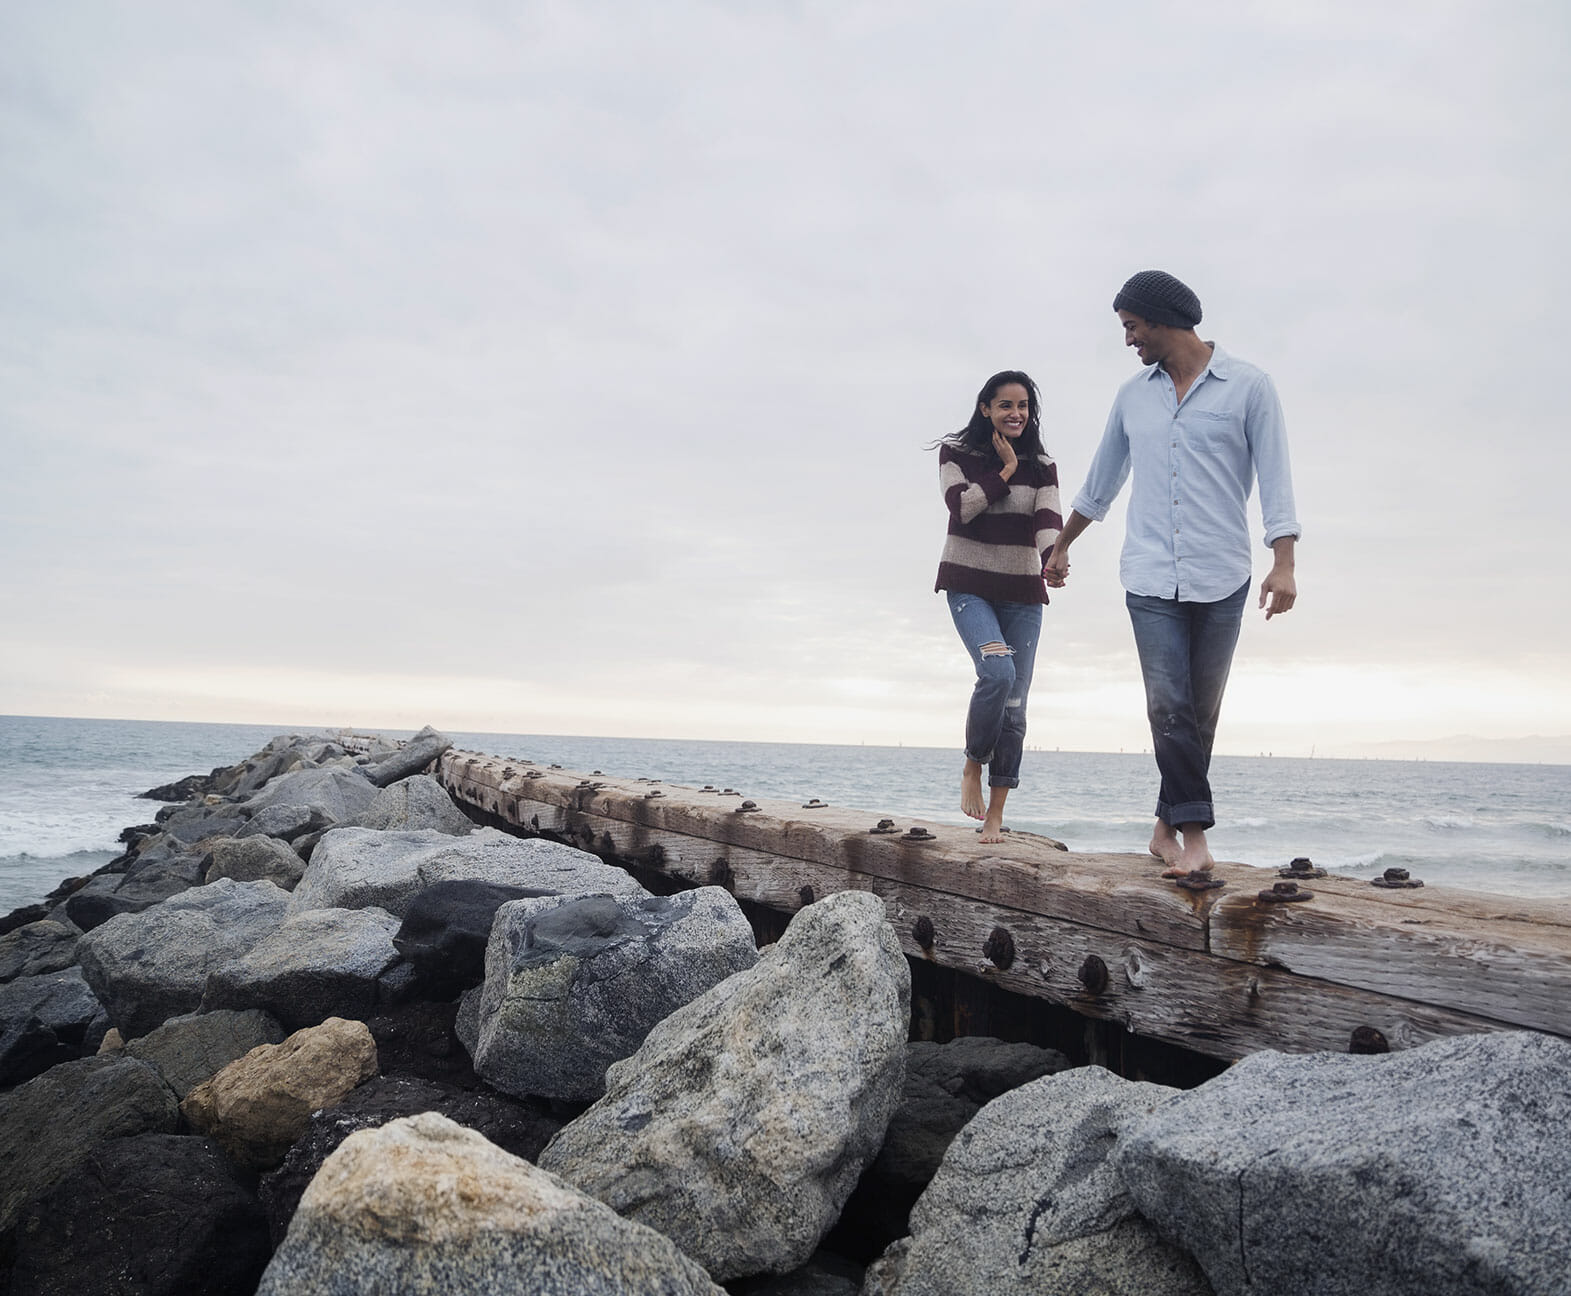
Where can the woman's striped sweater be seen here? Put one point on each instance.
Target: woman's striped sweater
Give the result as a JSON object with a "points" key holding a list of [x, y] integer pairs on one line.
{"points": [[1000, 533]]}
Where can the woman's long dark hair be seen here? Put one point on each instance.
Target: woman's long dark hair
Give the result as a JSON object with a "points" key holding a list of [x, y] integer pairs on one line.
{"points": [[976, 437]]}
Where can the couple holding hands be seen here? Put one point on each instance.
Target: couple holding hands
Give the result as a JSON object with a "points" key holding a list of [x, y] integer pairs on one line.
{"points": [[1193, 429]]}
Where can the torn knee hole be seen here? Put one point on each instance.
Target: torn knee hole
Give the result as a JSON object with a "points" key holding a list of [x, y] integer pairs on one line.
{"points": [[997, 650]]}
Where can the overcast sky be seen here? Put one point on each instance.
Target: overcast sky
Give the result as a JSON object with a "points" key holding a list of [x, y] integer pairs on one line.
{"points": [[569, 368]]}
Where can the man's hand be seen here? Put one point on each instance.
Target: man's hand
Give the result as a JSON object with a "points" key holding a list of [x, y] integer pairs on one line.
{"points": [[1055, 571], [1006, 452], [1278, 591]]}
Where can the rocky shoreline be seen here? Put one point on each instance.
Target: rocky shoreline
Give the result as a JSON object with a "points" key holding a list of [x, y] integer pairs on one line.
{"points": [[316, 1032]]}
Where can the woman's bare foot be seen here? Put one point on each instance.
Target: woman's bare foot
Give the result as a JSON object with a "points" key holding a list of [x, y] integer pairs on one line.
{"points": [[971, 790], [993, 825], [1165, 845]]}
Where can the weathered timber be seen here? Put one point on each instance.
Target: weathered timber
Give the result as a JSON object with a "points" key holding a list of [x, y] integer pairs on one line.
{"points": [[1219, 972]]}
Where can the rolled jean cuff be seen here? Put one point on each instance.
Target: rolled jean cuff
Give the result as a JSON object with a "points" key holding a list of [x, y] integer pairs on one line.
{"points": [[1001, 780], [1195, 812]]}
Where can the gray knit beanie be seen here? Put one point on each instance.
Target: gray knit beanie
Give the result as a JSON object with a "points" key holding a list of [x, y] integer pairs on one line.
{"points": [[1157, 297]]}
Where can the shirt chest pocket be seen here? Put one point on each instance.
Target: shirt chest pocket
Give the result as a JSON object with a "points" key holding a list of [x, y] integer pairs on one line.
{"points": [[1216, 430]]}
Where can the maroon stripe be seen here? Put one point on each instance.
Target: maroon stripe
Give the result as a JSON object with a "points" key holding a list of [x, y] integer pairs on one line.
{"points": [[992, 586], [998, 529]]}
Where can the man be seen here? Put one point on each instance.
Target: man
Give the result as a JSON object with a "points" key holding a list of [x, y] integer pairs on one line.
{"points": [[1195, 428]]}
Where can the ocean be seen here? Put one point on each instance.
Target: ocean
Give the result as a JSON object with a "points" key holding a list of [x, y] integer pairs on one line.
{"points": [[68, 787]]}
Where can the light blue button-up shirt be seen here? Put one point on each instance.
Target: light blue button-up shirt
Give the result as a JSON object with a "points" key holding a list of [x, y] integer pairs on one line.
{"points": [[1194, 464]]}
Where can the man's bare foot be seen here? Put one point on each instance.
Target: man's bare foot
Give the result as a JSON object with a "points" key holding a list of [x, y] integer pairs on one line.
{"points": [[1165, 844], [993, 827], [1195, 856], [971, 790]]}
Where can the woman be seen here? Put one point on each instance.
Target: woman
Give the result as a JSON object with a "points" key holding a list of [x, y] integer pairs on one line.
{"points": [[1001, 489]]}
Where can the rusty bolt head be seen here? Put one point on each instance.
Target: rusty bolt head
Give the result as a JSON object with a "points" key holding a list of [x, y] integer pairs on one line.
{"points": [[919, 834], [1302, 867], [1199, 880], [922, 932], [747, 807], [883, 826], [1395, 879], [1093, 974], [1282, 892], [999, 948], [814, 804]]}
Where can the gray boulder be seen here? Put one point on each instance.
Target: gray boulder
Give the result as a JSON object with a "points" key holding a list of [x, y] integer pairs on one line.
{"points": [[254, 859], [147, 882], [575, 983], [422, 1204], [37, 947], [742, 1123], [337, 792], [150, 966], [1444, 1168], [188, 1050], [287, 822], [945, 1086], [1027, 1199], [419, 752], [317, 964], [352, 868], [51, 1123], [418, 801]]}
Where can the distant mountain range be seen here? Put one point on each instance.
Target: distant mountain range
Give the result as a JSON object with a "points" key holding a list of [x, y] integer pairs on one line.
{"points": [[1531, 750]]}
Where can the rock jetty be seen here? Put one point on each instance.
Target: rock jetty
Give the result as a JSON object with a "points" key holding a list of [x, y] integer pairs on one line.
{"points": [[316, 1032]]}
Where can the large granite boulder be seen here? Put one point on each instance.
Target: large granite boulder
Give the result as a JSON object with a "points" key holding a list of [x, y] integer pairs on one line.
{"points": [[410, 804], [423, 1204], [191, 824], [260, 1104], [155, 1214], [1444, 1168], [37, 947], [46, 1020], [50, 1124], [446, 928], [150, 966], [519, 1127], [146, 883], [285, 821], [575, 983], [742, 1123], [187, 1050], [1028, 1199], [254, 859], [352, 868], [339, 793], [945, 1086], [412, 757], [316, 964]]}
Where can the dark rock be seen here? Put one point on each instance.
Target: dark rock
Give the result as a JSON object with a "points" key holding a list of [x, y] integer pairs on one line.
{"points": [[446, 927], [90, 909], [45, 1020], [418, 1039], [146, 884], [826, 1274], [49, 1125], [154, 1214], [521, 1127], [21, 917], [186, 789], [36, 948]]}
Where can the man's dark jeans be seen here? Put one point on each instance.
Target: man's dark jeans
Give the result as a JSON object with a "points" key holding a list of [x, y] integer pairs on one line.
{"points": [[1186, 651]]}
